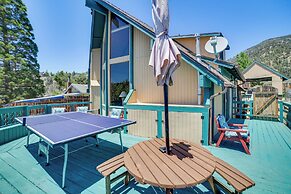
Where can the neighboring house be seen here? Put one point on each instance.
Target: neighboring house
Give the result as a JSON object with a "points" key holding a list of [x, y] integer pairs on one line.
{"points": [[260, 73], [119, 56], [77, 88]]}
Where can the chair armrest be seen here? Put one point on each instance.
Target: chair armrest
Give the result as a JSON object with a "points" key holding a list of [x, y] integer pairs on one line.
{"points": [[234, 130], [237, 125]]}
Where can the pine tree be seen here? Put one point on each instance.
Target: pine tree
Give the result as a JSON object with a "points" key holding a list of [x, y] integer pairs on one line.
{"points": [[19, 69], [243, 60]]}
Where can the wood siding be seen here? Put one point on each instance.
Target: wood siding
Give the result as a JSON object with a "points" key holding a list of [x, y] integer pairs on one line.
{"points": [[146, 125], [190, 43], [184, 90], [185, 126], [218, 106], [95, 76]]}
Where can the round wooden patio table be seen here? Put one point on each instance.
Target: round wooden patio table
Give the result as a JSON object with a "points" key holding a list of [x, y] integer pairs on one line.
{"points": [[186, 166]]}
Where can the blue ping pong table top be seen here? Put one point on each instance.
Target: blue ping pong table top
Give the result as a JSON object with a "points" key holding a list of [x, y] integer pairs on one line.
{"points": [[65, 127]]}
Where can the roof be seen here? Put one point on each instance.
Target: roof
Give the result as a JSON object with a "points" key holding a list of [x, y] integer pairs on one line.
{"points": [[230, 67], [202, 67], [194, 35], [266, 67], [81, 88], [287, 81]]}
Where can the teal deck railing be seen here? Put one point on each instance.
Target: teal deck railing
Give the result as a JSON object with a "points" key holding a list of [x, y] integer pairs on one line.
{"points": [[285, 113], [243, 109], [10, 129]]}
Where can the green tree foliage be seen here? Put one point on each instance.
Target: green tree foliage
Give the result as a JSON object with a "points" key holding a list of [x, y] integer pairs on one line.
{"points": [[56, 83], [116, 89], [243, 60], [19, 69]]}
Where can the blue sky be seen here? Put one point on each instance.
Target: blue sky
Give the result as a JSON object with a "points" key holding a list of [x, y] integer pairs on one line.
{"points": [[62, 27]]}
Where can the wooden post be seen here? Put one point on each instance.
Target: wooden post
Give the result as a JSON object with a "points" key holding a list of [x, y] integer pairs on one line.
{"points": [[281, 108]]}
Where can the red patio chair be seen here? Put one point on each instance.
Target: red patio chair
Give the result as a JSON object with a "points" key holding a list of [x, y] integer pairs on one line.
{"points": [[232, 132]]}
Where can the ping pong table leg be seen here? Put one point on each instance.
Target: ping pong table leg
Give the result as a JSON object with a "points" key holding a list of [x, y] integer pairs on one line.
{"points": [[120, 138], [97, 140], [65, 164], [27, 140]]}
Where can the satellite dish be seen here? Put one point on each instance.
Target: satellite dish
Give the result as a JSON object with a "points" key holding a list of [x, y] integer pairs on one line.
{"points": [[216, 45]]}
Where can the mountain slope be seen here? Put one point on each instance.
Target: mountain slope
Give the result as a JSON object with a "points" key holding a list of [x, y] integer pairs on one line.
{"points": [[274, 52]]}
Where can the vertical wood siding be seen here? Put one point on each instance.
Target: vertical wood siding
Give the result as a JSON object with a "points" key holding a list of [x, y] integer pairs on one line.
{"points": [[218, 106], [146, 125], [185, 126], [184, 90], [95, 75]]}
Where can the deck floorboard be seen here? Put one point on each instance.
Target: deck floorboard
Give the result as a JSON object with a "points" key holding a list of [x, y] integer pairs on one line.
{"points": [[23, 171]]}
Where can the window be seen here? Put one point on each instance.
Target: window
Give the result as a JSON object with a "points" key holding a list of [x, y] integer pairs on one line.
{"points": [[119, 59], [119, 44], [119, 82]]}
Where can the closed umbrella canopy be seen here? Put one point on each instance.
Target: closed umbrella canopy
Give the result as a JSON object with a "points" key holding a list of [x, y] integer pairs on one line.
{"points": [[165, 56]]}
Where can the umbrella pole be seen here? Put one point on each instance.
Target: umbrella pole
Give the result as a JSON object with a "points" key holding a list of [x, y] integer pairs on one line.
{"points": [[166, 89]]}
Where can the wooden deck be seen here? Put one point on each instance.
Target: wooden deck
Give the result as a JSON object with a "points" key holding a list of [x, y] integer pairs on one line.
{"points": [[23, 171]]}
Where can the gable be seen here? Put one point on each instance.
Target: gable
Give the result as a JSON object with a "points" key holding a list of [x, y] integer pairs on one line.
{"points": [[257, 71], [214, 76]]}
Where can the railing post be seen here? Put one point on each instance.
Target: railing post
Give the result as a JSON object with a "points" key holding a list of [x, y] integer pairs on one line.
{"points": [[251, 109], [281, 109], [25, 111], [125, 117], [205, 127], [159, 124]]}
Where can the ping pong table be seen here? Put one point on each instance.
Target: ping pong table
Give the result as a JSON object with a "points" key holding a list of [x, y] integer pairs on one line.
{"points": [[63, 128]]}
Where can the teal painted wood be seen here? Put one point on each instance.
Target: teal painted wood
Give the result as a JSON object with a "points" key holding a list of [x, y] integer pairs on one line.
{"points": [[172, 108], [12, 132], [128, 96], [281, 109], [159, 124], [205, 128], [204, 81], [125, 117], [131, 55], [106, 92], [24, 171], [238, 108]]}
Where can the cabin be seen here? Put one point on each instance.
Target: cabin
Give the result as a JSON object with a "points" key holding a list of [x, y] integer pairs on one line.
{"points": [[77, 88], [259, 73], [119, 55]]}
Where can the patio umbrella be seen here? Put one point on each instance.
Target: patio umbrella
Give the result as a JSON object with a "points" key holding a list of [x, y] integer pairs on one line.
{"points": [[165, 56]]}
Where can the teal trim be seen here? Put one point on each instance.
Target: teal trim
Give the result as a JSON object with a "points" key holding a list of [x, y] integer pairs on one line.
{"points": [[238, 108], [93, 5], [225, 73], [204, 81], [131, 59], [171, 108], [125, 129], [159, 124], [106, 92], [128, 96], [160, 109], [203, 71], [281, 108], [205, 128]]}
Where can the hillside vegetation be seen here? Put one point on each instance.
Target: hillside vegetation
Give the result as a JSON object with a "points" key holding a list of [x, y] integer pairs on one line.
{"points": [[56, 83], [274, 52]]}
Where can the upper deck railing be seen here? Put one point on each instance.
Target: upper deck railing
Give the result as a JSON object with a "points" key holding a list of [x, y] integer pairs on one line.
{"points": [[11, 130]]}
